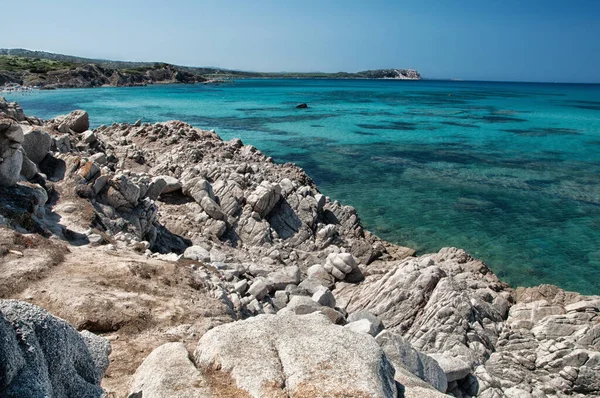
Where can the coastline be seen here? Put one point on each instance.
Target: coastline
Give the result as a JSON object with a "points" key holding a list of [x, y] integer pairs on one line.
{"points": [[513, 259], [259, 238]]}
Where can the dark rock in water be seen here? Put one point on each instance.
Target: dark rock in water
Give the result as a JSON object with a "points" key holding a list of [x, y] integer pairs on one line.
{"points": [[301, 106]]}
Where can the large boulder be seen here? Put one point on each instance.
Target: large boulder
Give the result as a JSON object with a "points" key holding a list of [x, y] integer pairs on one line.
{"points": [[11, 109], [168, 372], [272, 355], [264, 198], [197, 253], [341, 264], [172, 184], [11, 157], [28, 168], [197, 188], [37, 144], [44, 356], [123, 192], [77, 121], [402, 354], [10, 169]]}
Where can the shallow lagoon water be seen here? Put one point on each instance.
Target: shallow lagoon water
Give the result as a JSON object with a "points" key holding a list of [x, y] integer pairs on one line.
{"points": [[508, 171]]}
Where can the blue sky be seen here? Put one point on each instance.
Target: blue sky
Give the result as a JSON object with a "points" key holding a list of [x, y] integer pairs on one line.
{"points": [[525, 40]]}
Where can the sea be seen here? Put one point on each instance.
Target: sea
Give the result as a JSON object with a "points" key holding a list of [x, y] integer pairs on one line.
{"points": [[508, 171]]}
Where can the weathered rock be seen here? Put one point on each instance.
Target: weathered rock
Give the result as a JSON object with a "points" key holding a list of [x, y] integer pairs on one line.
{"points": [[197, 253], [402, 355], [172, 184], [168, 372], [156, 187], [12, 109], [341, 264], [362, 326], [264, 198], [302, 305], [99, 158], [28, 168], [286, 276], [77, 121], [99, 348], [11, 158], [10, 169], [42, 355], [258, 289], [374, 321], [295, 353], [198, 188], [212, 208], [550, 346], [454, 368], [88, 137], [448, 302], [122, 192], [324, 297], [320, 276], [63, 143], [37, 144]]}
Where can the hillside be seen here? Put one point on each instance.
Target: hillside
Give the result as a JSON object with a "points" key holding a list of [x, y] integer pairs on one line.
{"points": [[49, 70]]}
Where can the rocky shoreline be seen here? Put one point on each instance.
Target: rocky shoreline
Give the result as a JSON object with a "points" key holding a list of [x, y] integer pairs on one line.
{"points": [[53, 71], [186, 266]]}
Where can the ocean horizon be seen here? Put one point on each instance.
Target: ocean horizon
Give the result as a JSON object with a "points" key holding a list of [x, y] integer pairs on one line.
{"points": [[509, 171]]}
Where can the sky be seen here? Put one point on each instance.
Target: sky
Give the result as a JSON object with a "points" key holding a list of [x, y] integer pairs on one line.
{"points": [[510, 40]]}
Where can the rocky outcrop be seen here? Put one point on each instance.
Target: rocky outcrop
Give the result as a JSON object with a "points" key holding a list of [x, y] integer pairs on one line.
{"points": [[301, 355], [549, 347], [167, 218], [11, 158], [76, 122], [399, 74], [404, 357], [169, 372], [43, 356], [11, 109]]}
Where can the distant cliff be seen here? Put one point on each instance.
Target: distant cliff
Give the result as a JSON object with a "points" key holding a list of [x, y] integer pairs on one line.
{"points": [[49, 70], [402, 74], [51, 74]]}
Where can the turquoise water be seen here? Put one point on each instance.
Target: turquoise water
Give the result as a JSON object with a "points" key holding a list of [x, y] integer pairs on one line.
{"points": [[508, 171]]}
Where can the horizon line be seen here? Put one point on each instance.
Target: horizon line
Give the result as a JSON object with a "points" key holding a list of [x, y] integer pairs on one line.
{"points": [[255, 71]]}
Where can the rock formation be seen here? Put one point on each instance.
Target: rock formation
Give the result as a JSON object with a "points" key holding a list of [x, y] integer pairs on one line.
{"points": [[214, 271], [43, 356]]}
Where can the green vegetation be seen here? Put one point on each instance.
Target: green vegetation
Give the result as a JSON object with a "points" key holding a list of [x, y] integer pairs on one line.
{"points": [[11, 63], [32, 67]]}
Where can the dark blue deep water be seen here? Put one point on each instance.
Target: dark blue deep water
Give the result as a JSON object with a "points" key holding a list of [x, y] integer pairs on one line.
{"points": [[508, 171]]}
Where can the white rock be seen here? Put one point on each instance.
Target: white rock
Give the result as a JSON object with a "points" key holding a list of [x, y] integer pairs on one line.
{"points": [[324, 297], [297, 352], [197, 253], [258, 289], [168, 372], [454, 368]]}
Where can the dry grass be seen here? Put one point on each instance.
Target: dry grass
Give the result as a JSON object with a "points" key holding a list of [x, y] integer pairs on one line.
{"points": [[222, 385], [25, 259]]}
